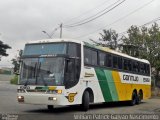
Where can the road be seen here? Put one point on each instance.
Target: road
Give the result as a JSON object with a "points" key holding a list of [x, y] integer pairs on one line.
{"points": [[9, 105]]}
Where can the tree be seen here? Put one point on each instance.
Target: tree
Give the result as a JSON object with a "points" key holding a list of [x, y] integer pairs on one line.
{"points": [[132, 45], [3, 48], [144, 43], [109, 38], [16, 62], [154, 50]]}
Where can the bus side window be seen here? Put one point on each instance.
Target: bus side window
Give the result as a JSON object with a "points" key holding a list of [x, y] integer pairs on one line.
{"points": [[141, 68], [109, 60], [87, 56], [74, 50], [125, 64], [129, 65], [102, 57], [119, 62], [115, 62], [94, 57], [90, 56]]}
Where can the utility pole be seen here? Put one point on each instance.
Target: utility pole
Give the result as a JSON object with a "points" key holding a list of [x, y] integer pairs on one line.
{"points": [[61, 30]]}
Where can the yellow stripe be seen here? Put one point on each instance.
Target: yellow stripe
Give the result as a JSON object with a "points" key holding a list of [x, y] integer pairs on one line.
{"points": [[51, 87]]}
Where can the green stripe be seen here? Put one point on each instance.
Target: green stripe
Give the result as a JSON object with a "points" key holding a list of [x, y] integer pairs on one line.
{"points": [[111, 85], [104, 85], [42, 88]]}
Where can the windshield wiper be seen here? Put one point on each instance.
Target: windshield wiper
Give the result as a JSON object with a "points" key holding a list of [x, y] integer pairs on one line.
{"points": [[26, 83]]}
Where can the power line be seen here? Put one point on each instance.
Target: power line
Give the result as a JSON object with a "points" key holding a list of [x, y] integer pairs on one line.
{"points": [[152, 21], [141, 7], [60, 26], [155, 20], [98, 15], [88, 11], [54, 31], [81, 21]]}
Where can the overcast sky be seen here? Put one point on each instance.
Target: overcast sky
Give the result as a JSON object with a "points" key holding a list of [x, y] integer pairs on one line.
{"points": [[24, 20]]}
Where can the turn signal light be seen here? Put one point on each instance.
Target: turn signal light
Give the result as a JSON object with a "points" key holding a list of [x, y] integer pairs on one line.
{"points": [[59, 91]]}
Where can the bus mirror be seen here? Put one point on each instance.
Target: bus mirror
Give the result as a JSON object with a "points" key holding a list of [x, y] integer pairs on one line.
{"points": [[17, 73]]}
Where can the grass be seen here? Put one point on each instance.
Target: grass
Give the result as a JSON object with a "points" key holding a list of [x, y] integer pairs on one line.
{"points": [[14, 80]]}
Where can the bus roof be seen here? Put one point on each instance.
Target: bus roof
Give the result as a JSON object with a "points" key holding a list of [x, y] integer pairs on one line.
{"points": [[105, 49], [54, 40]]}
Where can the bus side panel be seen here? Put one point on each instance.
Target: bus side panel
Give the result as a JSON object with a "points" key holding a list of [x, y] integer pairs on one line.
{"points": [[114, 90], [125, 90]]}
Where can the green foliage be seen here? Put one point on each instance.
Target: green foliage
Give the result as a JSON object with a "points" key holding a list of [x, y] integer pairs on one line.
{"points": [[144, 43], [16, 62], [3, 48], [14, 80], [109, 38]]}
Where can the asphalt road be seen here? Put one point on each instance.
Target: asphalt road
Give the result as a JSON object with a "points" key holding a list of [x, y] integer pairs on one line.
{"points": [[9, 106]]}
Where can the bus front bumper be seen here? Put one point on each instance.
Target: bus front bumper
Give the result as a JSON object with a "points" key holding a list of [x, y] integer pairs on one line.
{"points": [[42, 99]]}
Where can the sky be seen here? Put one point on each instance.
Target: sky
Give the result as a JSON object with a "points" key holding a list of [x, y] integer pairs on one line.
{"points": [[22, 21]]}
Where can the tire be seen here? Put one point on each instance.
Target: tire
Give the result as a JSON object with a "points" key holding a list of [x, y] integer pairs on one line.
{"points": [[85, 101], [139, 97], [134, 99], [50, 107]]}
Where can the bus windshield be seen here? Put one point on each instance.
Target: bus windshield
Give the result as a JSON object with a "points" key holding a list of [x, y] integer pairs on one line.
{"points": [[42, 71]]}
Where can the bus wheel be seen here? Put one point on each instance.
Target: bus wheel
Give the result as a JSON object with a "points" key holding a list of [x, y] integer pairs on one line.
{"points": [[85, 101], [50, 107], [139, 97], [138, 100], [134, 99]]}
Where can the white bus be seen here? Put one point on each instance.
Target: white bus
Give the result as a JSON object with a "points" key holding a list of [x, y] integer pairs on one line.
{"points": [[70, 72]]}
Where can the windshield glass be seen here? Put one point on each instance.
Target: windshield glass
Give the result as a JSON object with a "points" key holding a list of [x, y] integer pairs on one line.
{"points": [[42, 71], [45, 49]]}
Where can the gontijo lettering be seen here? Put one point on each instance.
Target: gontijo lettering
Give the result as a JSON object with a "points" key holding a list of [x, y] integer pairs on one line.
{"points": [[130, 78]]}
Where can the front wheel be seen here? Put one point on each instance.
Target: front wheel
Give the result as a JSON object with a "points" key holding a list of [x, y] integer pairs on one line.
{"points": [[85, 101], [50, 107]]}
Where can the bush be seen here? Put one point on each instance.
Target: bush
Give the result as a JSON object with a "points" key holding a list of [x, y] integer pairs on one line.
{"points": [[14, 80]]}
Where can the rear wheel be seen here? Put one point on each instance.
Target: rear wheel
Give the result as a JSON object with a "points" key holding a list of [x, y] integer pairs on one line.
{"points": [[85, 101], [139, 97], [50, 107], [138, 100], [134, 99]]}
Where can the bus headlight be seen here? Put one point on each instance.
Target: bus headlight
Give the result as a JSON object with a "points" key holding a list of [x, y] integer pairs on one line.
{"points": [[52, 98]]}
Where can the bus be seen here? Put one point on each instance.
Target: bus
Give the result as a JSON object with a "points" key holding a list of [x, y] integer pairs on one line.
{"points": [[71, 72]]}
